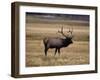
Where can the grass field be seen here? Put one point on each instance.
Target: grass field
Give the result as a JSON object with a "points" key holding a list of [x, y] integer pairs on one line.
{"points": [[75, 54]]}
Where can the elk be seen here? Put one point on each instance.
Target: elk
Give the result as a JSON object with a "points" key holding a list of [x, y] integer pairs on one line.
{"points": [[58, 43]]}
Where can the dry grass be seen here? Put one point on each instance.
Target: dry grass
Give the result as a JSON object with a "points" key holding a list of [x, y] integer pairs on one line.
{"points": [[75, 54]]}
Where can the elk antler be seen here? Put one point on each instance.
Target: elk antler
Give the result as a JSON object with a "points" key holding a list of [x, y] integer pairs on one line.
{"points": [[71, 32], [62, 32]]}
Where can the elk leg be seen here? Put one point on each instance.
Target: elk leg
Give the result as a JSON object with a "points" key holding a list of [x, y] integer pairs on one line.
{"points": [[59, 51], [46, 49], [55, 51]]}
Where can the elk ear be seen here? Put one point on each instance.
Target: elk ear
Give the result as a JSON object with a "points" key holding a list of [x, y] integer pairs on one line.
{"points": [[71, 37]]}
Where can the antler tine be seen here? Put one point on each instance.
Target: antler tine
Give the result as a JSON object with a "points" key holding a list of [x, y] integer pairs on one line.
{"points": [[62, 29], [59, 31], [72, 29], [69, 30], [72, 32]]}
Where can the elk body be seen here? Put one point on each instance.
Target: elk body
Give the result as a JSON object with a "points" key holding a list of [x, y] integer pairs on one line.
{"points": [[57, 43]]}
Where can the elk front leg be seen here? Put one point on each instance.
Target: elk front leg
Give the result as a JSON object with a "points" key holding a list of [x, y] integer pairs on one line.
{"points": [[59, 51], [55, 51]]}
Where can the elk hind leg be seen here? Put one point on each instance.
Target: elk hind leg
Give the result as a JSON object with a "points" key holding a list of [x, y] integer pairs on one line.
{"points": [[55, 51], [46, 49]]}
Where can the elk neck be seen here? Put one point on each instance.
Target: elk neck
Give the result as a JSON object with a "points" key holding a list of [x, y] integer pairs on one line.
{"points": [[67, 41]]}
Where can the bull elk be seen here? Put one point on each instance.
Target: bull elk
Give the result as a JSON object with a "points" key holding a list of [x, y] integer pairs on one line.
{"points": [[58, 43]]}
